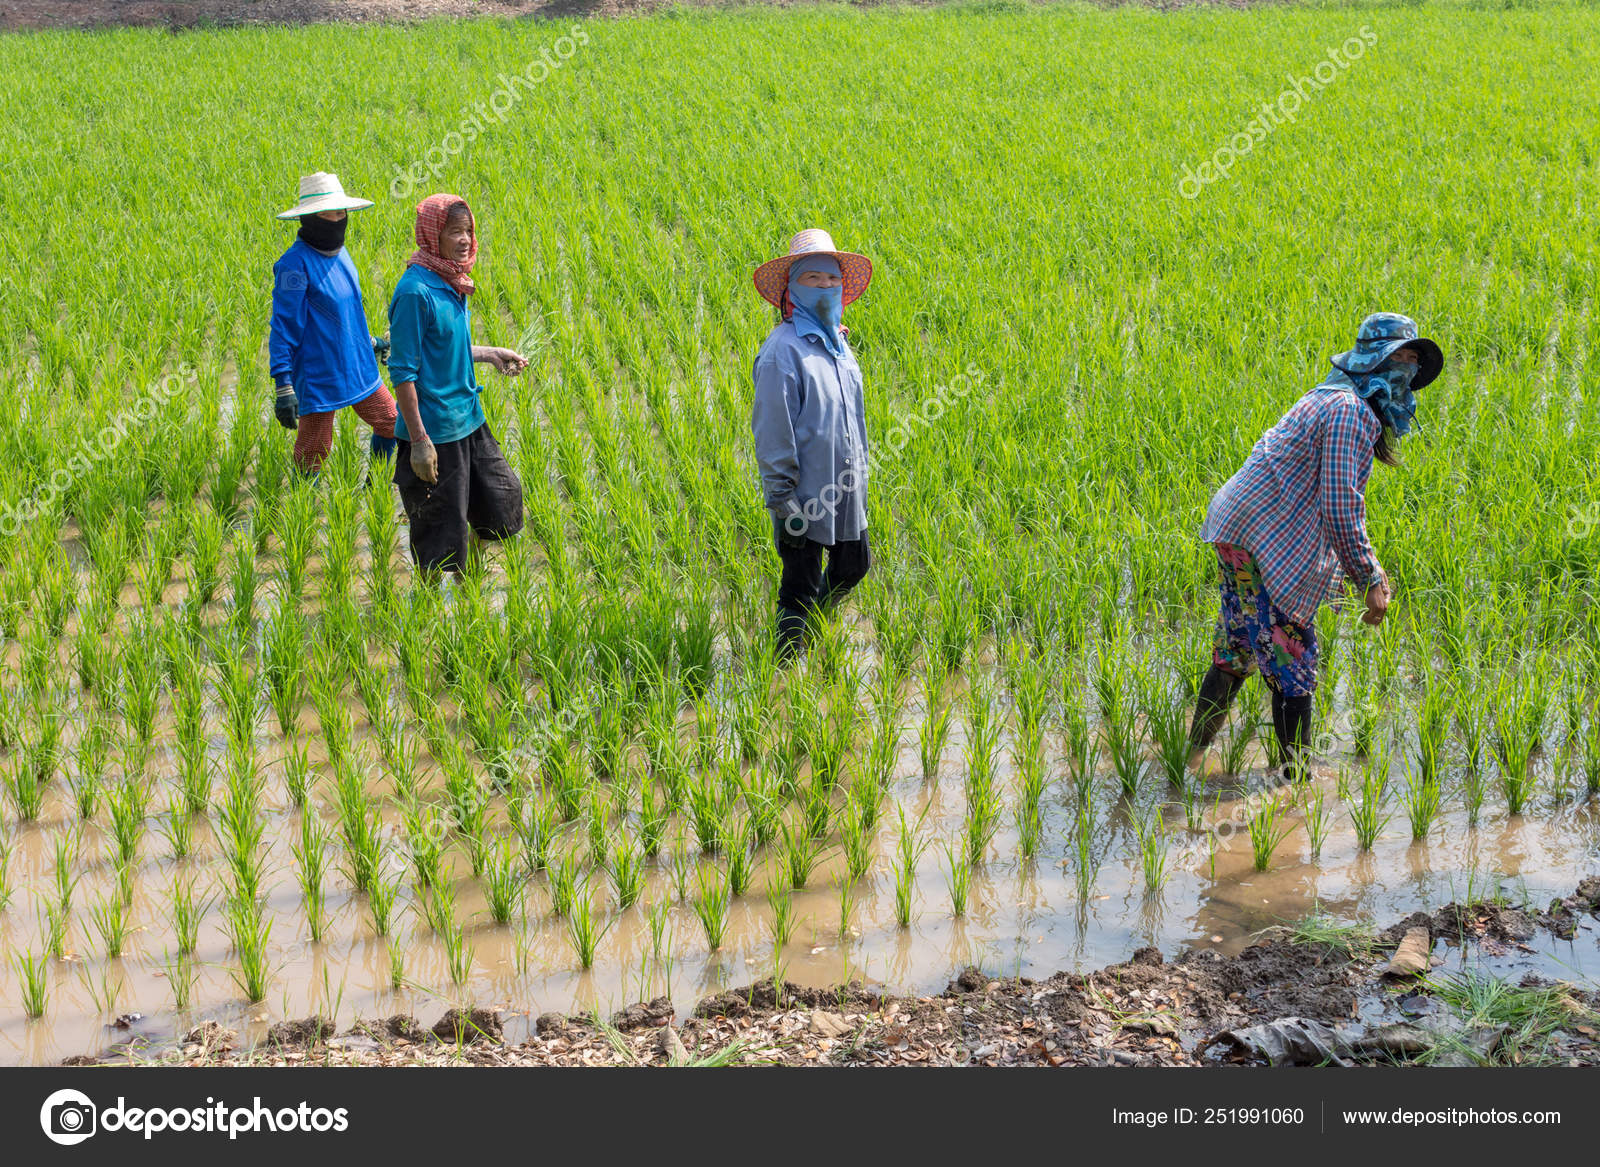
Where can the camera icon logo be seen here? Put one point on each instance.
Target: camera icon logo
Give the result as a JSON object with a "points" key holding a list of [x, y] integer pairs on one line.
{"points": [[68, 1117]]}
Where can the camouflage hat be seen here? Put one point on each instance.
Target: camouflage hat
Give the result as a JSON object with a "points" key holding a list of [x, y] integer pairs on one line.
{"points": [[1380, 335]]}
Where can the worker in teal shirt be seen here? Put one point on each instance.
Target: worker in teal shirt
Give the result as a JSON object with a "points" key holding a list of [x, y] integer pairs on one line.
{"points": [[454, 480]]}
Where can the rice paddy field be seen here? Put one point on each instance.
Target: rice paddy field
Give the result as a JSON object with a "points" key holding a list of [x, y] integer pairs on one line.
{"points": [[255, 769]]}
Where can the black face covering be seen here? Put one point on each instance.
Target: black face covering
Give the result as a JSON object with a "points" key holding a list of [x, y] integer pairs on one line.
{"points": [[323, 234]]}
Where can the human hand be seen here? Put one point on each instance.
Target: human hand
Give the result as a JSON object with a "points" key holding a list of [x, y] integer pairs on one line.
{"points": [[424, 460], [287, 407], [507, 362], [793, 526], [1378, 597]]}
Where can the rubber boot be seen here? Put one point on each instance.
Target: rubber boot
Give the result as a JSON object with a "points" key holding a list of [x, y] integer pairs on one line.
{"points": [[791, 633], [1291, 722], [383, 447], [1211, 710]]}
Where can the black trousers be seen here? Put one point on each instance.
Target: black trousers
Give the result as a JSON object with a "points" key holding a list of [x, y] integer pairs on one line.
{"points": [[806, 585], [477, 492]]}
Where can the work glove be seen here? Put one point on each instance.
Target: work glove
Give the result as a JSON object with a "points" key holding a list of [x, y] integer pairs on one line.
{"points": [[380, 349], [792, 524], [287, 407], [424, 460]]}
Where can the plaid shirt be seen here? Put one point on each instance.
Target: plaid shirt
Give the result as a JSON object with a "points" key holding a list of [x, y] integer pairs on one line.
{"points": [[1298, 504]]}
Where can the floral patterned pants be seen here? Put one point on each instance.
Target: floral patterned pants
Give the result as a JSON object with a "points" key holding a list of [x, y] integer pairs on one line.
{"points": [[1252, 633]]}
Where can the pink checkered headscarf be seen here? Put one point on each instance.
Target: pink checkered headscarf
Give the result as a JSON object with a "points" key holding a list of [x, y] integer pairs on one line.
{"points": [[431, 215]]}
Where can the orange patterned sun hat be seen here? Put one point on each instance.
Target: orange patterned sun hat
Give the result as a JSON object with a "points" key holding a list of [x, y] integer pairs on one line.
{"points": [[772, 277]]}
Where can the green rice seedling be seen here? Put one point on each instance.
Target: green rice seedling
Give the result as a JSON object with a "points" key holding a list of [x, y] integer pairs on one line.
{"points": [[1422, 798], [627, 872], [186, 913], [958, 876], [178, 828], [1527, 1016], [242, 578], [817, 809], [1319, 820], [801, 851], [459, 954], [584, 929], [502, 880], [1354, 941], [1153, 857], [359, 826], [983, 734], [1368, 816], [982, 821], [94, 654], [93, 751], [932, 735], [1166, 714], [397, 967], [6, 889], [382, 894], [741, 859], [1030, 819], [780, 898], [847, 904], [856, 838], [110, 919], [564, 880], [439, 909], [249, 931], [128, 805], [1366, 719], [298, 772], [908, 850], [711, 903], [1433, 725], [195, 775], [656, 919], [33, 979], [210, 535], [312, 865], [283, 652], [708, 812], [1268, 826], [141, 683], [181, 977], [27, 792], [1590, 738]]}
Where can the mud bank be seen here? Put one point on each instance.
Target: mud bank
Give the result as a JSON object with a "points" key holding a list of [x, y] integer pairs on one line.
{"points": [[1296, 996]]}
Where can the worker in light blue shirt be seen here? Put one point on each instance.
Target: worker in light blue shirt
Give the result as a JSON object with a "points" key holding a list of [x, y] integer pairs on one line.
{"points": [[321, 355], [808, 420], [455, 483]]}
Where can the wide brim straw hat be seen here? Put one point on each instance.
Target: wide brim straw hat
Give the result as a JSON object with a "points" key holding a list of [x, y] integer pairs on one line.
{"points": [[322, 192], [772, 277], [1380, 335]]}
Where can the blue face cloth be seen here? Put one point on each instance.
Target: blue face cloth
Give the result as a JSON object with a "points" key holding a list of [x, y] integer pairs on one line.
{"points": [[1389, 389], [817, 311]]}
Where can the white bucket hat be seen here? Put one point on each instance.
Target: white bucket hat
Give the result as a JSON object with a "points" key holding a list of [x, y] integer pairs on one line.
{"points": [[322, 192]]}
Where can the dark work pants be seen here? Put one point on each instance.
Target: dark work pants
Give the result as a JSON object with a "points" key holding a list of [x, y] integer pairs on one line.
{"points": [[477, 492], [807, 586]]}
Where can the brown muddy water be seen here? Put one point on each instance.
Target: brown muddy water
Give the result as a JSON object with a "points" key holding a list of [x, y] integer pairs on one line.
{"points": [[1024, 918]]}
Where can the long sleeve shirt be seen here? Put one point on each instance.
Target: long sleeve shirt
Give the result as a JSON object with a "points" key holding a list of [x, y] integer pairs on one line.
{"points": [[809, 424], [1298, 504], [430, 344], [318, 338]]}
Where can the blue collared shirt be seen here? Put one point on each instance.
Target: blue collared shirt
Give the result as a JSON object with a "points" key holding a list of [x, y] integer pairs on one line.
{"points": [[810, 427], [319, 338], [430, 344]]}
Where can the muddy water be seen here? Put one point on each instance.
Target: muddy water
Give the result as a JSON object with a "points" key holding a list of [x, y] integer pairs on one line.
{"points": [[1024, 917]]}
